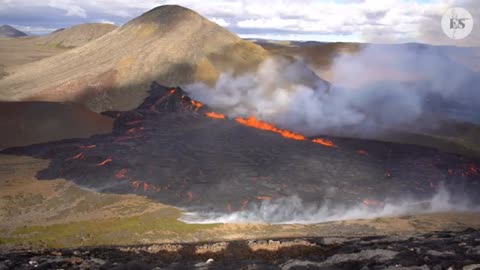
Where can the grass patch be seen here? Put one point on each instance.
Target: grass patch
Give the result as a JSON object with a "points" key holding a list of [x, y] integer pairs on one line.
{"points": [[158, 226]]}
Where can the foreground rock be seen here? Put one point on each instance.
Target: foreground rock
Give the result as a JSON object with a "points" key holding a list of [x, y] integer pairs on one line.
{"points": [[439, 250]]}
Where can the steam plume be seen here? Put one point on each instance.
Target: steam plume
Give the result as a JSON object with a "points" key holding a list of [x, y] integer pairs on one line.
{"points": [[292, 96], [292, 210]]}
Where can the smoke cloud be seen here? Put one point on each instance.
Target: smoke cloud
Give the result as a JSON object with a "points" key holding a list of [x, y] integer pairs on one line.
{"points": [[378, 88], [292, 210]]}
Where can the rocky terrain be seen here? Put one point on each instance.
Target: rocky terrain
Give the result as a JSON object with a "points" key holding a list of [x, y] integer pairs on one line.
{"points": [[169, 147], [436, 251]]}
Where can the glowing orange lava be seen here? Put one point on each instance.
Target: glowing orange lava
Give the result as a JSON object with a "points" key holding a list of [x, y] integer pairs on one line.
{"points": [[215, 115], [79, 156], [121, 174], [196, 104], [105, 162], [255, 123], [173, 90], [263, 198], [136, 184], [324, 142]]}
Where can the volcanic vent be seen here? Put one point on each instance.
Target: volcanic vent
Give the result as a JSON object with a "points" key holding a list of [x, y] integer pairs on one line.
{"points": [[180, 152]]}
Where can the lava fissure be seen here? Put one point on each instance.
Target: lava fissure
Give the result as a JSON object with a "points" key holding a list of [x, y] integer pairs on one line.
{"points": [[180, 152]]}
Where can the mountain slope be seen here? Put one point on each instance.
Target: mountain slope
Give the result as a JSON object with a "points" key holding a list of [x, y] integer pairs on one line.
{"points": [[169, 44], [8, 31], [77, 35], [26, 123]]}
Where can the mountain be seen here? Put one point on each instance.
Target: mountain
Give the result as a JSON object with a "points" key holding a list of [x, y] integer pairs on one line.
{"points": [[77, 35], [8, 31], [169, 44]]}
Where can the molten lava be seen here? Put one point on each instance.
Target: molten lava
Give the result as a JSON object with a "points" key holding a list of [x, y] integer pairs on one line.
{"points": [[255, 123], [196, 104], [215, 115], [79, 156], [324, 142], [121, 174], [105, 162], [136, 184]]}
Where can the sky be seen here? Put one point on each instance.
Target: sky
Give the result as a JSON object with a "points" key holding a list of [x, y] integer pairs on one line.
{"points": [[380, 21]]}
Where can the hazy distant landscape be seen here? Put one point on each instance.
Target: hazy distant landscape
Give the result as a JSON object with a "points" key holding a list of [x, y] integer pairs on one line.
{"points": [[170, 142]]}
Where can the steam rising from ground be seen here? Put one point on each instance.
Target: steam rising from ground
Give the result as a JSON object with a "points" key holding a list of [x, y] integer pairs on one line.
{"points": [[363, 98], [292, 210]]}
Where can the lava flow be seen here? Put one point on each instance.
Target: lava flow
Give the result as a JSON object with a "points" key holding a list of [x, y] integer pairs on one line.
{"points": [[215, 115], [170, 138], [324, 142], [255, 123], [105, 162]]}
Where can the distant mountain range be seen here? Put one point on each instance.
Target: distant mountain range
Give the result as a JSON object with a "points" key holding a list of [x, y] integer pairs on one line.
{"points": [[9, 31]]}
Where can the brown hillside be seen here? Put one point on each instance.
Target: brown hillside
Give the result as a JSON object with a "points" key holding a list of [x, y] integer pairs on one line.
{"points": [[170, 44], [25, 123], [77, 35]]}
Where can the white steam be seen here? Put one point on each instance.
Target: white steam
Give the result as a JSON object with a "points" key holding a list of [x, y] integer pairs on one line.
{"points": [[373, 90], [292, 210]]}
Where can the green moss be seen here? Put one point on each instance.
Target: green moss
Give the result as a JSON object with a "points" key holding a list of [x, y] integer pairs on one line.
{"points": [[152, 227]]}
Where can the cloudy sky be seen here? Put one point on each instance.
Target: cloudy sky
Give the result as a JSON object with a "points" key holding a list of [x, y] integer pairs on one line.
{"points": [[322, 20]]}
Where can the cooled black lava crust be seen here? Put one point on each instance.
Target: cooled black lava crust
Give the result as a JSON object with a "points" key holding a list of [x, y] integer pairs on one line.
{"points": [[168, 150]]}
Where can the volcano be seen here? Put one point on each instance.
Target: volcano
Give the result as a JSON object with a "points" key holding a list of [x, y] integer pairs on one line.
{"points": [[178, 151], [170, 44]]}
